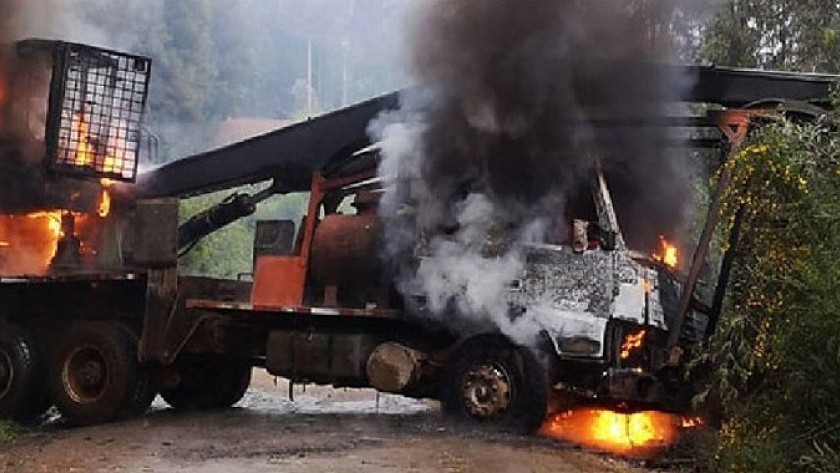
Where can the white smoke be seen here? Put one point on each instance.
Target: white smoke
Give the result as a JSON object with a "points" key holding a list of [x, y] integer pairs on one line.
{"points": [[466, 272], [50, 19], [481, 161]]}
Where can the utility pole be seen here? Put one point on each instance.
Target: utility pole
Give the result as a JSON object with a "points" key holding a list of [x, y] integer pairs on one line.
{"points": [[345, 47], [344, 73], [309, 90]]}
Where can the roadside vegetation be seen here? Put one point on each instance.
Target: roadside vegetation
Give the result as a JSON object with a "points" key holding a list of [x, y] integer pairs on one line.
{"points": [[777, 352], [228, 253], [8, 431]]}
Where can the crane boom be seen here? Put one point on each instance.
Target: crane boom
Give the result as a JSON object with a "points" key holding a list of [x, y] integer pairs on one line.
{"points": [[290, 155]]}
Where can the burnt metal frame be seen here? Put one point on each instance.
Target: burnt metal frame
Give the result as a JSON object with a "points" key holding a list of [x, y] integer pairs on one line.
{"points": [[135, 91], [734, 124]]}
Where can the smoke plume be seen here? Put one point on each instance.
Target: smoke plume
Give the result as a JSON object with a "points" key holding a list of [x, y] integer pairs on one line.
{"points": [[512, 97]]}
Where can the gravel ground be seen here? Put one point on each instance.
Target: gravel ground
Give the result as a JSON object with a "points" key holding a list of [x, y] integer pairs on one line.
{"points": [[324, 429]]}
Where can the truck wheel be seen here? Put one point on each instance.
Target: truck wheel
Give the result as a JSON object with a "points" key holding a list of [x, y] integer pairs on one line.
{"points": [[147, 385], [209, 385], [22, 396], [490, 381], [95, 376]]}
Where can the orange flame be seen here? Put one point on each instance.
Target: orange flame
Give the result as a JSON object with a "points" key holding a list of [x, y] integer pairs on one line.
{"points": [[691, 422], [638, 433], [110, 164], [632, 342], [52, 221], [32, 240], [104, 204], [84, 151], [669, 253], [118, 153]]}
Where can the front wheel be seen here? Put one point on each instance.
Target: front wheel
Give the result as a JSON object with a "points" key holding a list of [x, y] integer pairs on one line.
{"points": [[491, 381]]}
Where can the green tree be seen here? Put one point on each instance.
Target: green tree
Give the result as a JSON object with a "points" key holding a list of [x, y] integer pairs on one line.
{"points": [[775, 34], [228, 253], [732, 37]]}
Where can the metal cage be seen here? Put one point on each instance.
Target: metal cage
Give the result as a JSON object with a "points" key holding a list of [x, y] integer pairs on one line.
{"points": [[97, 102]]}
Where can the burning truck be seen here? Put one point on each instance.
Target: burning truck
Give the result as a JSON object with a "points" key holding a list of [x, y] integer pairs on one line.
{"points": [[69, 128], [98, 320]]}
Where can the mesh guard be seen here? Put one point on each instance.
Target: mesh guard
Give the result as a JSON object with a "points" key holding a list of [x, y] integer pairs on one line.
{"points": [[96, 110]]}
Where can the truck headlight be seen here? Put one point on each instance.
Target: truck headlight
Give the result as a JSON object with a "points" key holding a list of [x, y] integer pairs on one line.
{"points": [[578, 346]]}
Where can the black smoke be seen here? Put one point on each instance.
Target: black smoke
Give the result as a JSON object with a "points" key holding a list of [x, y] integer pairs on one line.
{"points": [[521, 89], [518, 104]]}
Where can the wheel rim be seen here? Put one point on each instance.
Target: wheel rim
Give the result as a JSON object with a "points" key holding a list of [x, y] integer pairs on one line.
{"points": [[487, 390], [7, 373], [85, 375]]}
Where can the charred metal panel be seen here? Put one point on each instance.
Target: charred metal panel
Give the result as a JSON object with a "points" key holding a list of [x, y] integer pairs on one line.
{"points": [[274, 238], [320, 357], [155, 242], [169, 325], [568, 295], [573, 294], [559, 278], [738, 87], [161, 294], [726, 86]]}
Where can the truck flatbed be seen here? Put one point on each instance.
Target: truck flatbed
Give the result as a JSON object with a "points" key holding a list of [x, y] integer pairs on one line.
{"points": [[74, 277], [247, 307]]}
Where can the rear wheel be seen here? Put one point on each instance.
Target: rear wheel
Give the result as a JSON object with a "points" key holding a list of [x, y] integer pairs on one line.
{"points": [[22, 394], [490, 381], [205, 385], [95, 376], [147, 385]]}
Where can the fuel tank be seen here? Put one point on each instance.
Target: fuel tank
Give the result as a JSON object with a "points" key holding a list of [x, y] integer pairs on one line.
{"points": [[345, 250]]}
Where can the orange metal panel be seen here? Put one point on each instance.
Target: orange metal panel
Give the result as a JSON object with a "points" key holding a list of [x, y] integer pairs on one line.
{"points": [[278, 281]]}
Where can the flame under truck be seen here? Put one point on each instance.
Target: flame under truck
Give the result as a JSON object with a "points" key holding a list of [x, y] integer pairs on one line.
{"points": [[612, 327]]}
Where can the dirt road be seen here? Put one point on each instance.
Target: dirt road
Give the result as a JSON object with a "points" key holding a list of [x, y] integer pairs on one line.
{"points": [[323, 430]]}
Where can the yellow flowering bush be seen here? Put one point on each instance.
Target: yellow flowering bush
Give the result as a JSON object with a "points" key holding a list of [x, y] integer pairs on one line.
{"points": [[776, 355]]}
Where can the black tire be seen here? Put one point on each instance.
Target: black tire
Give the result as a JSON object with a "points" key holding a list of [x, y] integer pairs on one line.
{"points": [[94, 374], [147, 385], [23, 397], [207, 385], [490, 381]]}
